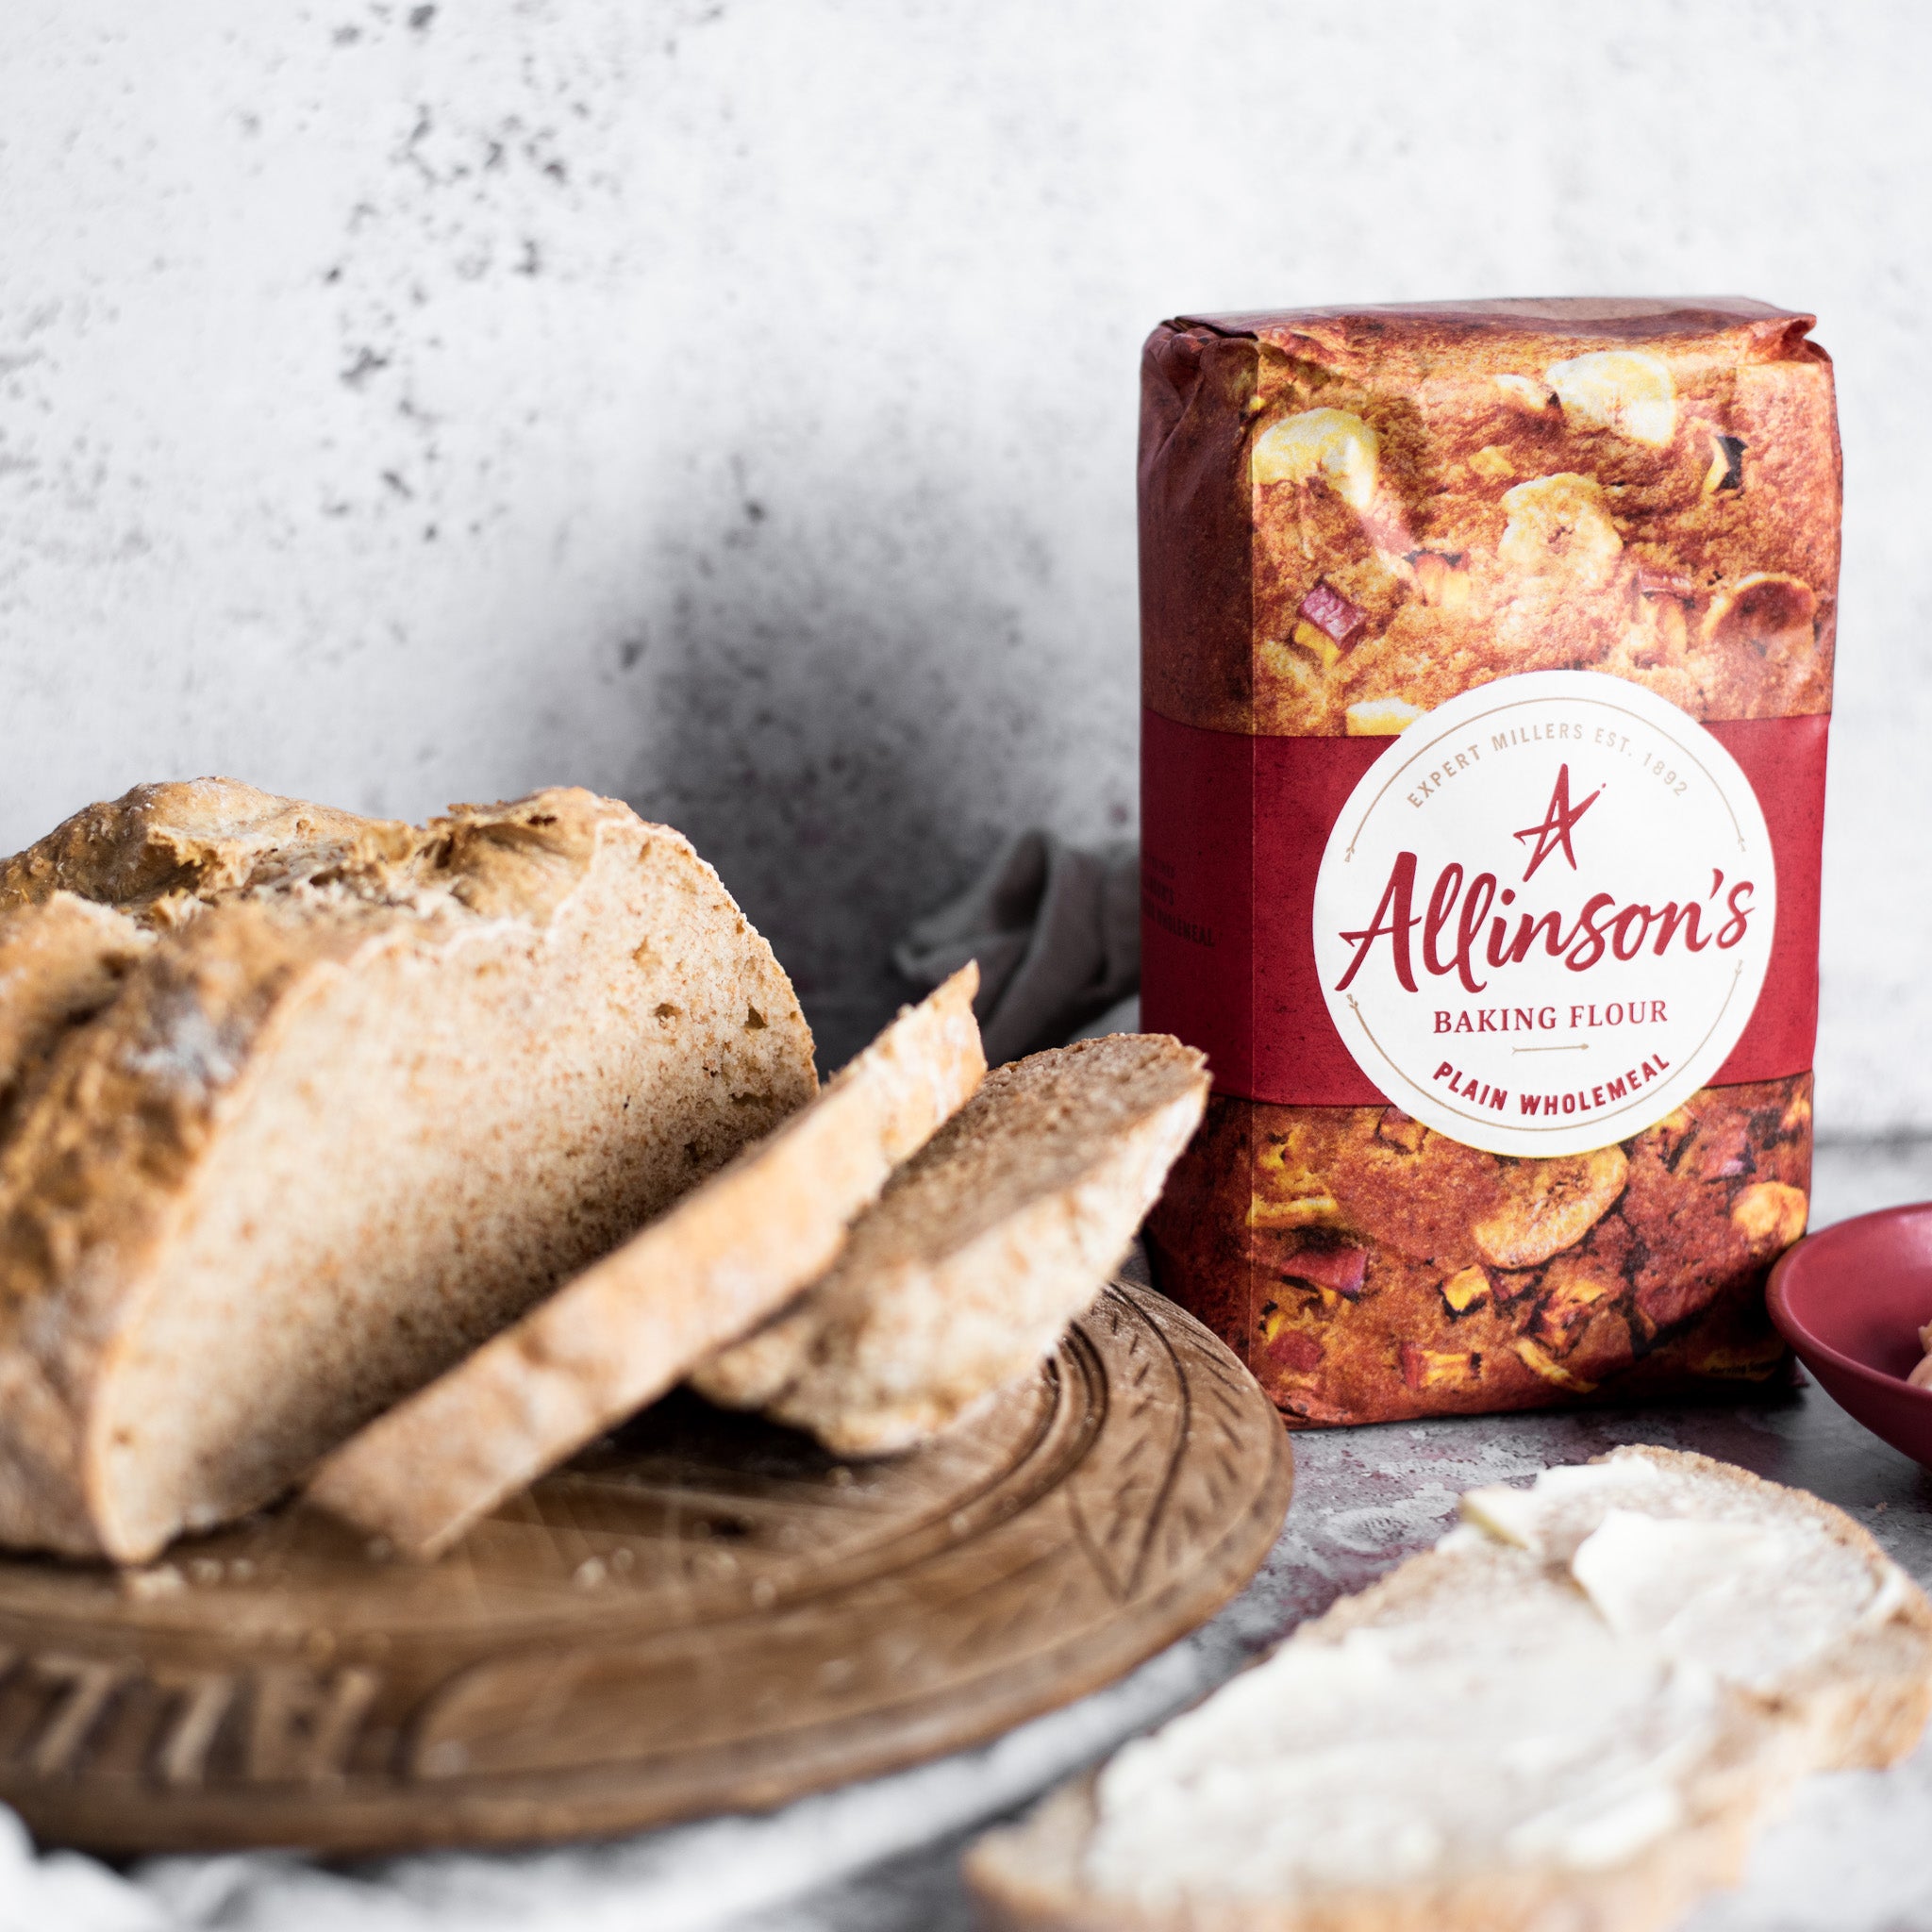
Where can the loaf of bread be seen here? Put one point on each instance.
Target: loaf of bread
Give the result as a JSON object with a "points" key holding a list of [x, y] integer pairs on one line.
{"points": [[1574, 1711], [629, 1327], [298, 1107], [986, 1244]]}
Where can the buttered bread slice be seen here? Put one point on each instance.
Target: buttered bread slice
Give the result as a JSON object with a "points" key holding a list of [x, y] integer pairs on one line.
{"points": [[980, 1252], [629, 1328], [1574, 1711], [297, 1107]]}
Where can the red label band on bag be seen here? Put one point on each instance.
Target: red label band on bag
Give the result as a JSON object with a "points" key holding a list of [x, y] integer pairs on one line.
{"points": [[1623, 844]]}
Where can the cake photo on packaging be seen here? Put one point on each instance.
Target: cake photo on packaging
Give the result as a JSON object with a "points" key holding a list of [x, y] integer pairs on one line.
{"points": [[1486, 656]]}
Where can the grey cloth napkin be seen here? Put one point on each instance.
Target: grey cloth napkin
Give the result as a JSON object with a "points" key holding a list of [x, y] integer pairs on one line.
{"points": [[1057, 931]]}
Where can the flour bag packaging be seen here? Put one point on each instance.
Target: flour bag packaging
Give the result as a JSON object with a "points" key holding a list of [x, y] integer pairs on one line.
{"points": [[1487, 670]]}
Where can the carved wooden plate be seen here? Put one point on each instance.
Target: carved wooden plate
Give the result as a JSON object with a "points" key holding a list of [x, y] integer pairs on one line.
{"points": [[704, 1614]]}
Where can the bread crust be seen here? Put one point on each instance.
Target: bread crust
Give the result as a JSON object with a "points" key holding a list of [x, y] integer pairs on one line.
{"points": [[158, 850], [631, 1327], [248, 914], [1863, 1703]]}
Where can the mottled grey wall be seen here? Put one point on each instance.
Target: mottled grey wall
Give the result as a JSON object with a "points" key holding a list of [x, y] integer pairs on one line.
{"points": [[732, 406]]}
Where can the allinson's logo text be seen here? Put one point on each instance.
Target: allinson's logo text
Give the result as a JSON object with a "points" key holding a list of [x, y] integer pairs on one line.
{"points": [[1600, 929]]}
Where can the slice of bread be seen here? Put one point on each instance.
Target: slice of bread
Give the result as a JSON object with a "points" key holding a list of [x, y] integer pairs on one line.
{"points": [[1572, 1713], [982, 1250], [297, 1107], [627, 1330]]}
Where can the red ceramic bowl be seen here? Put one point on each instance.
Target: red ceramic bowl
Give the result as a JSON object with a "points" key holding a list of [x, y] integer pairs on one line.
{"points": [[1850, 1302]]}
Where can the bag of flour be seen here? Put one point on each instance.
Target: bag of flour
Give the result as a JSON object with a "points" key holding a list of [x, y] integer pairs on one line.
{"points": [[1487, 670]]}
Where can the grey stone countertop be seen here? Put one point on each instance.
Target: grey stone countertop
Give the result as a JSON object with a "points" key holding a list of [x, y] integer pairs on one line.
{"points": [[1850, 1857]]}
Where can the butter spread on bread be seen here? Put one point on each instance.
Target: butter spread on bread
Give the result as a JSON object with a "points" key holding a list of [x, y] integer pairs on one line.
{"points": [[1573, 1710]]}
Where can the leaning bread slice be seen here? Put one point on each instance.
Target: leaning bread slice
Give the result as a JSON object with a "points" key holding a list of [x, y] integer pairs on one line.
{"points": [[628, 1328], [982, 1250], [1574, 1711], [301, 1106]]}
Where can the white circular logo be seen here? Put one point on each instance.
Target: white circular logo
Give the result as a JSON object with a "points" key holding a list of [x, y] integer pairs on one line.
{"points": [[1544, 917]]}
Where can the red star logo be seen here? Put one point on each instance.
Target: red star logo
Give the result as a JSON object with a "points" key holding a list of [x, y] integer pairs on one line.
{"points": [[1554, 833]]}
